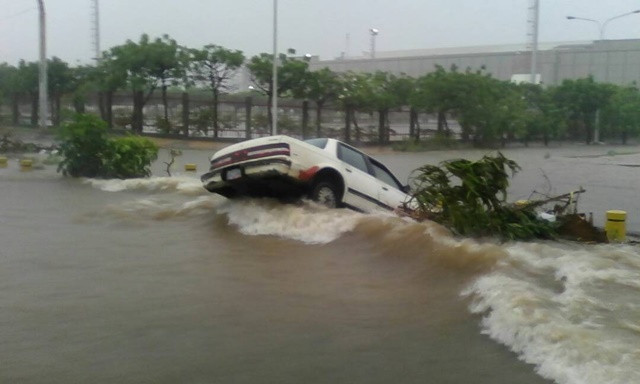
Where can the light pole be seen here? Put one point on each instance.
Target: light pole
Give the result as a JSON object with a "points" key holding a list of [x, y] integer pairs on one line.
{"points": [[374, 32], [602, 26], [42, 77], [274, 85]]}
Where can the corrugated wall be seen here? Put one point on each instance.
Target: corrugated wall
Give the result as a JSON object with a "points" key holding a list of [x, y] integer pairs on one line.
{"points": [[615, 61]]}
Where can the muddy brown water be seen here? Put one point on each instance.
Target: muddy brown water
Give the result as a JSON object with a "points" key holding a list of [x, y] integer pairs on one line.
{"points": [[157, 281]]}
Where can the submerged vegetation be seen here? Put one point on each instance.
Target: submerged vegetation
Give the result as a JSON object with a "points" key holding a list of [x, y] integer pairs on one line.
{"points": [[470, 198], [88, 151]]}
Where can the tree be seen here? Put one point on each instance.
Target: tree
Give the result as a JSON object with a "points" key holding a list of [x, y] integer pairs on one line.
{"points": [[293, 74], [60, 81], [544, 118], [147, 65], [621, 116], [582, 99], [28, 85], [356, 94], [323, 86], [10, 89], [107, 78], [438, 93], [214, 66]]}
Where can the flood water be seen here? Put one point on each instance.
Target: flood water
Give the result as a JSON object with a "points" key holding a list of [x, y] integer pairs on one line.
{"points": [[157, 281]]}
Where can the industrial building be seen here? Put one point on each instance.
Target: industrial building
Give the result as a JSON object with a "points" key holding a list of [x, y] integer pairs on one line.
{"points": [[612, 61]]}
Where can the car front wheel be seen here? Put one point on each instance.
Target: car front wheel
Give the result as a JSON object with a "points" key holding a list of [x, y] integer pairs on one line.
{"points": [[325, 193]]}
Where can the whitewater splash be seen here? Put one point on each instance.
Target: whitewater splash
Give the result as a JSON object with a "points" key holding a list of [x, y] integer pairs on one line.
{"points": [[574, 313], [306, 222], [182, 185]]}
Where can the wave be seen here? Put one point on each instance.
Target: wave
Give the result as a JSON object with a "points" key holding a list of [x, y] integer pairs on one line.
{"points": [[182, 185], [572, 313]]}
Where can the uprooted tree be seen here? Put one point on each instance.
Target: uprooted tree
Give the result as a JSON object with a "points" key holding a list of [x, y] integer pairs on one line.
{"points": [[470, 198]]}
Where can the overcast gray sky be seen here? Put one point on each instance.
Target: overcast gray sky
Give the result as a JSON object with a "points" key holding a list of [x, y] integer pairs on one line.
{"points": [[317, 27]]}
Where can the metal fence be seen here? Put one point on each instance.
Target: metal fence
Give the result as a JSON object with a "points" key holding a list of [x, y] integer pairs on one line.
{"points": [[238, 118]]}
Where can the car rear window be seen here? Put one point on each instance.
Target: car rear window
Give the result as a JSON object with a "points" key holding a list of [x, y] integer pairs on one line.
{"points": [[320, 143]]}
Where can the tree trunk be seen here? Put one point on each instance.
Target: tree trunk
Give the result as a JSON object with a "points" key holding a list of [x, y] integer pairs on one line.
{"points": [[589, 132], [248, 103], [441, 122], [347, 124], [412, 124], [34, 110], [165, 102], [355, 124], [15, 110], [319, 105], [624, 136], [79, 104], [137, 119], [381, 131], [57, 109], [185, 114], [109, 108], [305, 118], [214, 112], [101, 106]]}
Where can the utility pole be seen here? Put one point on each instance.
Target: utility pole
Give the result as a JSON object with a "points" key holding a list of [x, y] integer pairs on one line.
{"points": [[534, 15], [96, 31], [274, 85], [42, 84]]}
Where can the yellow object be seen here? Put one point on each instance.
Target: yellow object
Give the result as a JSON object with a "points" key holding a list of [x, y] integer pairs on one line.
{"points": [[615, 227], [26, 163], [3, 162], [189, 167]]}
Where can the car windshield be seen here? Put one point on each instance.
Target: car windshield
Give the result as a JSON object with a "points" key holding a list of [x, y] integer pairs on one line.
{"points": [[320, 143]]}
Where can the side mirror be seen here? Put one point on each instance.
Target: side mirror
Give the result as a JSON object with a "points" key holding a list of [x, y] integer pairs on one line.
{"points": [[406, 188]]}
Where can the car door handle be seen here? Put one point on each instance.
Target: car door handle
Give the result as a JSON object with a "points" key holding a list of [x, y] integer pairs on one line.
{"points": [[348, 170], [385, 188]]}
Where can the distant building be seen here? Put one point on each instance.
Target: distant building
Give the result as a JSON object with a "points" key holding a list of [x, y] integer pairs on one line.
{"points": [[613, 61]]}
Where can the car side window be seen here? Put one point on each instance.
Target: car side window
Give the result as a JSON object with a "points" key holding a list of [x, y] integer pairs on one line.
{"points": [[385, 176], [353, 158]]}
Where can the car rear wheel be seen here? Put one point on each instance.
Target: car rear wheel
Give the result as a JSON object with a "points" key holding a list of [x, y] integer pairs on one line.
{"points": [[325, 193]]}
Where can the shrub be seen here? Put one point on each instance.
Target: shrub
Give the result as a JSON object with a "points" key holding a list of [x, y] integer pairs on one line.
{"points": [[130, 156], [88, 151]]}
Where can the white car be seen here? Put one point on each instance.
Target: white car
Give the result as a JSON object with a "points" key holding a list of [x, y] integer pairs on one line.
{"points": [[325, 170]]}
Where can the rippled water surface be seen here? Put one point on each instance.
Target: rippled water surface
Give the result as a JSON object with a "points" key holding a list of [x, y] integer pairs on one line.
{"points": [[157, 281]]}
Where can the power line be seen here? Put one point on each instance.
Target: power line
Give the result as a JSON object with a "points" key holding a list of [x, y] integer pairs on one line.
{"points": [[18, 14]]}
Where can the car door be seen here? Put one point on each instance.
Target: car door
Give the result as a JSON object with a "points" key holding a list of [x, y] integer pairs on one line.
{"points": [[361, 188], [390, 192]]}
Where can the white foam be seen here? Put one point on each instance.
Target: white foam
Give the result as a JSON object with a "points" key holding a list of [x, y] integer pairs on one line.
{"points": [[183, 185], [308, 223], [563, 311]]}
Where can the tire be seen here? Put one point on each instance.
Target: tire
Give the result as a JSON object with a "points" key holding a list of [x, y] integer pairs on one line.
{"points": [[326, 193]]}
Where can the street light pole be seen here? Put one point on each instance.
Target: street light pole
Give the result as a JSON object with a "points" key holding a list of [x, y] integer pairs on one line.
{"points": [[274, 85], [42, 77], [374, 32], [602, 26]]}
